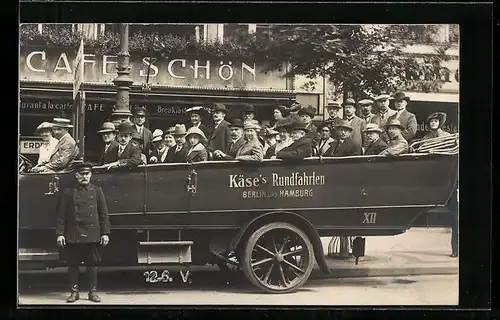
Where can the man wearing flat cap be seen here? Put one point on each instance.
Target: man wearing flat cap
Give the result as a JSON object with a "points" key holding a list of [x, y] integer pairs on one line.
{"points": [[365, 110], [139, 118], [66, 149], [344, 146], [195, 115], [357, 124], [128, 155], [219, 138], [109, 152], [383, 114], [236, 141], [301, 147], [406, 118], [333, 109], [375, 144], [397, 144], [82, 228]]}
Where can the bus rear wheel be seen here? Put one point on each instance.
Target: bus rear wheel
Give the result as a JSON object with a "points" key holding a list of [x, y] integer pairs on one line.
{"points": [[278, 258]]}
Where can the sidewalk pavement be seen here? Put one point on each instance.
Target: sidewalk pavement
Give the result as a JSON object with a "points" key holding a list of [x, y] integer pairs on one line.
{"points": [[419, 251]]}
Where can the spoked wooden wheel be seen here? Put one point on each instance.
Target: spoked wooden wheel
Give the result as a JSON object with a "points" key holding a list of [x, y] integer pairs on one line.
{"points": [[278, 258]]}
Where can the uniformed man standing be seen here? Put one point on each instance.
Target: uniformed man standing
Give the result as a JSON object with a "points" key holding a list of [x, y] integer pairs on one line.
{"points": [[82, 226]]}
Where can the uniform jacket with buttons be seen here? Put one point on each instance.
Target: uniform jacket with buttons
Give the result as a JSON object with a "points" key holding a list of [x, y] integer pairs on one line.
{"points": [[82, 215]]}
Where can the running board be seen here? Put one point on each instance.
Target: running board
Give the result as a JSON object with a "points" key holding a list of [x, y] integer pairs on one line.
{"points": [[30, 254], [150, 252]]}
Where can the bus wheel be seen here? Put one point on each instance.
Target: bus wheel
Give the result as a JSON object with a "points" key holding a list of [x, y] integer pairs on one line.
{"points": [[278, 258]]}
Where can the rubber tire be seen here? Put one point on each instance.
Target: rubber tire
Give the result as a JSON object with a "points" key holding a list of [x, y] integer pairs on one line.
{"points": [[246, 263]]}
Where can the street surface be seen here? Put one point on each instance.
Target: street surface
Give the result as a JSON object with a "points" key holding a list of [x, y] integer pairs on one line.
{"points": [[209, 288]]}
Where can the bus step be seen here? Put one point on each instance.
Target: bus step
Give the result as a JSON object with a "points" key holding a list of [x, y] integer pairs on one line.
{"points": [[150, 252]]}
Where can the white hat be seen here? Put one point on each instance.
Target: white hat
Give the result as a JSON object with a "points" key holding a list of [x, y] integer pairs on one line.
{"points": [[157, 135], [62, 123], [44, 126], [197, 131], [382, 97]]}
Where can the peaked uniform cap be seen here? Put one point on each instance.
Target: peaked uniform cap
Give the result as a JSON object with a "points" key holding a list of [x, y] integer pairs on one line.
{"points": [[333, 105], [83, 167]]}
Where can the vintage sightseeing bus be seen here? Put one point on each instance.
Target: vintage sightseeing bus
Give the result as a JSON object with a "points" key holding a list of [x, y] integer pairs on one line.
{"points": [[266, 218]]}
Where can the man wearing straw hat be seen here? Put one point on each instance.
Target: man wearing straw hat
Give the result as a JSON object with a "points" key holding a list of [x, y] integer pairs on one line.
{"points": [[375, 144], [82, 227], [195, 115], [66, 149], [49, 143], [301, 147], [235, 142], [397, 144], [333, 109], [109, 152], [160, 149], [251, 150], [177, 153], [344, 146]]}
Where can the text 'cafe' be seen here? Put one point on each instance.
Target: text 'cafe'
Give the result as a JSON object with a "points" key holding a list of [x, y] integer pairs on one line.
{"points": [[46, 79]]}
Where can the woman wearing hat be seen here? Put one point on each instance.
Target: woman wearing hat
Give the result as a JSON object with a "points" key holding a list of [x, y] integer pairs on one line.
{"points": [[197, 141], [195, 115], [375, 144], [252, 150], [285, 139], [397, 144], [435, 122], [49, 143]]}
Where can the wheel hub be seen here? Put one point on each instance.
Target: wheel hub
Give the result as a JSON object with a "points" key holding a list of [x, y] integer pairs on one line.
{"points": [[279, 257]]}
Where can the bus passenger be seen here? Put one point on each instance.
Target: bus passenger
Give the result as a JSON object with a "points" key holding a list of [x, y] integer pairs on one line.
{"points": [[397, 144], [197, 141], [436, 122], [236, 141], [301, 147], [333, 109], [357, 124], [108, 134], [66, 149], [139, 119], [169, 138], [128, 154], [49, 143], [160, 149], [195, 115], [285, 140], [407, 119], [306, 115], [375, 144], [219, 138], [279, 114], [137, 141], [248, 113], [325, 139], [344, 146], [383, 114], [251, 150], [177, 154], [271, 141]]}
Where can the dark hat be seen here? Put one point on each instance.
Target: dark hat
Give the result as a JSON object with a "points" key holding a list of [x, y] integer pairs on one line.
{"points": [[219, 107], [237, 122], [284, 110], [322, 125], [136, 136], [309, 110], [349, 102], [394, 123], [62, 123], [297, 126], [400, 96], [296, 107], [440, 116], [196, 109], [83, 167], [344, 124], [139, 111], [107, 127], [333, 105], [248, 108], [126, 127]]}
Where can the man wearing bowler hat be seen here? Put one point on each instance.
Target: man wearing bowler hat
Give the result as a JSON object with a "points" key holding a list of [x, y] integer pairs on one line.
{"points": [[128, 155], [139, 118], [108, 135], [383, 114], [219, 138], [66, 149], [344, 146], [301, 147], [406, 118], [306, 115], [82, 228], [195, 115], [397, 144], [375, 144], [178, 153], [357, 124], [235, 142], [248, 113]]}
